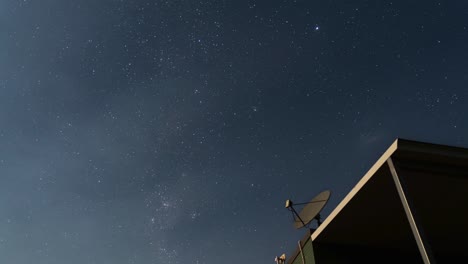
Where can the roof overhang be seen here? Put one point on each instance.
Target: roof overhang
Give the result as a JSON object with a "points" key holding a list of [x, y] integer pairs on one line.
{"points": [[372, 214]]}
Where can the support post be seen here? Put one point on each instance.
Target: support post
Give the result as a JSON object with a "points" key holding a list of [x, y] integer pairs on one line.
{"points": [[421, 241], [300, 250]]}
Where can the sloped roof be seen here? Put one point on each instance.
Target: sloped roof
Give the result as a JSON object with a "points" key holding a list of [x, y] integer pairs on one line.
{"points": [[372, 215]]}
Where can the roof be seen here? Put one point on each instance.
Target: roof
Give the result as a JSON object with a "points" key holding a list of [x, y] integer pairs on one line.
{"points": [[436, 180]]}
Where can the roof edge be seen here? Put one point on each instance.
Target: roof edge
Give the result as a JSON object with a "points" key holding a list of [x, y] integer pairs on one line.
{"points": [[357, 187], [405, 145]]}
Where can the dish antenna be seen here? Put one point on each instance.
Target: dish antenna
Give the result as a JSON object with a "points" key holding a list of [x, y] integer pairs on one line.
{"points": [[310, 212]]}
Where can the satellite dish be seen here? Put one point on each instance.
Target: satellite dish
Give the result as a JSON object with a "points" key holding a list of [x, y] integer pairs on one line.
{"points": [[310, 212]]}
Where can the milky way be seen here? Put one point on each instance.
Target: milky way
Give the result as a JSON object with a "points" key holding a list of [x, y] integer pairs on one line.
{"points": [[173, 131]]}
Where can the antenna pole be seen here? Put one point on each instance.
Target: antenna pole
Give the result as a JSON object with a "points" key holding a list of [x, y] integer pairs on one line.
{"points": [[319, 220], [318, 201], [297, 215]]}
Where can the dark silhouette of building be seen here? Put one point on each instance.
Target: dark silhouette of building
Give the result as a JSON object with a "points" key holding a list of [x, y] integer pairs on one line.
{"points": [[410, 207]]}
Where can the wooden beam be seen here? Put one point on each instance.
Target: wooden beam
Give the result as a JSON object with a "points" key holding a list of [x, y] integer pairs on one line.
{"points": [[421, 241]]}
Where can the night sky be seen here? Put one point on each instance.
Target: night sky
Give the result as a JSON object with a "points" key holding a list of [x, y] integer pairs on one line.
{"points": [[173, 131]]}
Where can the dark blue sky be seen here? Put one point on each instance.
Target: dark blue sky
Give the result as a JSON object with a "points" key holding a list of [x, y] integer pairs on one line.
{"points": [[173, 131]]}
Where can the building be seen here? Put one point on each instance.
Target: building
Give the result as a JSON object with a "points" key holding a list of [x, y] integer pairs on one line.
{"points": [[410, 207]]}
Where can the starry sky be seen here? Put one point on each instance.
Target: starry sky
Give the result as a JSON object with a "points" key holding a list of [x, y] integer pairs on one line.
{"points": [[136, 131]]}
